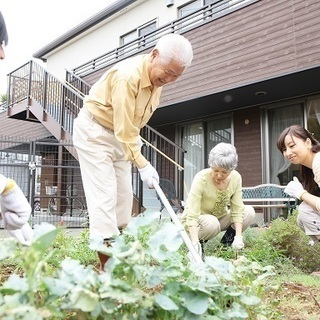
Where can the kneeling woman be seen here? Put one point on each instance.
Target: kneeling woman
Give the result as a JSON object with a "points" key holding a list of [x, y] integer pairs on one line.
{"points": [[300, 147], [214, 203]]}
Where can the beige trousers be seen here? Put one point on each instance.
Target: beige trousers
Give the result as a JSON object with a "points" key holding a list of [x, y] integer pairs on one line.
{"points": [[106, 177], [210, 226], [309, 220]]}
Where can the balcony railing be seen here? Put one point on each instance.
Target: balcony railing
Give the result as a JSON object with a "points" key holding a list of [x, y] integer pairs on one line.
{"points": [[199, 17]]}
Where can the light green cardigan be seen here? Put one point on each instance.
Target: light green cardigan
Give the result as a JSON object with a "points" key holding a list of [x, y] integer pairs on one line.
{"points": [[205, 198]]}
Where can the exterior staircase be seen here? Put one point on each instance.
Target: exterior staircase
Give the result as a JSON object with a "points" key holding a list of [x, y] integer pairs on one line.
{"points": [[36, 95]]}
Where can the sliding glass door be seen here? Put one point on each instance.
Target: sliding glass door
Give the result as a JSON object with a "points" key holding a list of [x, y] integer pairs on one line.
{"points": [[198, 139]]}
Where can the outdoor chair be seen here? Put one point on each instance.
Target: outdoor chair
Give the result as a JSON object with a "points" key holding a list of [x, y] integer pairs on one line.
{"points": [[169, 191]]}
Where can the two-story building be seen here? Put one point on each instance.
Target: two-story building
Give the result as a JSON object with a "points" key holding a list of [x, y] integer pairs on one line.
{"points": [[255, 71]]}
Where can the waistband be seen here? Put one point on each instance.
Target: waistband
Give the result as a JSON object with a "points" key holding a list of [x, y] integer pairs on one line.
{"points": [[85, 111]]}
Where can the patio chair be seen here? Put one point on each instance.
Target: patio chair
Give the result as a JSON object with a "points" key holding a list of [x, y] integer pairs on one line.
{"points": [[169, 191]]}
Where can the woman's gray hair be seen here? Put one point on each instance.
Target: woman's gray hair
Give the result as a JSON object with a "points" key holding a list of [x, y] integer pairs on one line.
{"points": [[3, 31], [223, 155], [174, 47]]}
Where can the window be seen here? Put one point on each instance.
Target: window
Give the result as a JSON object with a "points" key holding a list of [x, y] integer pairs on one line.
{"points": [[189, 9], [141, 31], [313, 117], [196, 11], [280, 170], [198, 139]]}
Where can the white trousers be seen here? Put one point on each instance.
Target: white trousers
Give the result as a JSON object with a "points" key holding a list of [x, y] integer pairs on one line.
{"points": [[106, 177], [210, 226]]}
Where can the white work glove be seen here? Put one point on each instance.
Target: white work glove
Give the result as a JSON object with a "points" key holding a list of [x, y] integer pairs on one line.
{"points": [[139, 142], [23, 235], [148, 173], [197, 247], [294, 188], [311, 243], [238, 243], [15, 209]]}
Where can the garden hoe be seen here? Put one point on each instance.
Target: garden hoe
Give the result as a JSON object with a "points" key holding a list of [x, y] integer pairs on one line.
{"points": [[178, 224]]}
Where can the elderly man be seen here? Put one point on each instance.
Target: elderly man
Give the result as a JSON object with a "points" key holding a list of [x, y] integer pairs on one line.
{"points": [[106, 132]]}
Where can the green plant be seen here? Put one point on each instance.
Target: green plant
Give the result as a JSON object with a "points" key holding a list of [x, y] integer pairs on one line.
{"points": [[257, 249], [286, 237], [3, 97], [146, 278]]}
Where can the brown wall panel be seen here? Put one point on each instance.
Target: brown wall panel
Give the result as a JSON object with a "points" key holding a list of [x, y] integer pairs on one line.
{"points": [[247, 140], [262, 40]]}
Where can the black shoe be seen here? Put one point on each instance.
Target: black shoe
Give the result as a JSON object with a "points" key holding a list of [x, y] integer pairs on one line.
{"points": [[228, 237], [202, 242]]}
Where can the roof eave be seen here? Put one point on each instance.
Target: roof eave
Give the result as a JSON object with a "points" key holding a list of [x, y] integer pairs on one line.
{"points": [[82, 27]]}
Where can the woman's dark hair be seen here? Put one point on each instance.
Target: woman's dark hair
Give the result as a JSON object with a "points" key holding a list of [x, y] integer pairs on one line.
{"points": [[303, 134], [3, 31]]}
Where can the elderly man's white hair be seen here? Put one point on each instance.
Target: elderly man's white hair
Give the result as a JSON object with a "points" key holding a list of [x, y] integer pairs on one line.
{"points": [[174, 47], [223, 155], [3, 31]]}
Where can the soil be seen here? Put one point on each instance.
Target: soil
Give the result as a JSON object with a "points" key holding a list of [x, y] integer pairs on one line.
{"points": [[298, 302]]}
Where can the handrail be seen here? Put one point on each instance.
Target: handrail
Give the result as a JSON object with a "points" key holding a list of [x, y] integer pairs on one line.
{"points": [[74, 88], [163, 154], [62, 101]]}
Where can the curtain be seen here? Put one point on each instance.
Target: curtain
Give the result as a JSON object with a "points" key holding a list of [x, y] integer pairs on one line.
{"points": [[198, 139], [278, 120], [192, 142], [313, 111]]}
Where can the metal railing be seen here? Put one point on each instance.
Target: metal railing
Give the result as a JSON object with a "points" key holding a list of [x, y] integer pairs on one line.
{"points": [[31, 82], [62, 101], [193, 20]]}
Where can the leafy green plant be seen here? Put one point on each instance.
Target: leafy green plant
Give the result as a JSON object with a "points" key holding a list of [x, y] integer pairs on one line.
{"points": [[147, 277], [286, 237]]}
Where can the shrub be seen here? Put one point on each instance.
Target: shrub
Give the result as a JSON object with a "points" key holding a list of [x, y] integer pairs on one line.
{"points": [[286, 237]]}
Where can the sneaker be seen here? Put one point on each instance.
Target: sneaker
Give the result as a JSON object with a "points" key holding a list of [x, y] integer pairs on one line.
{"points": [[228, 237]]}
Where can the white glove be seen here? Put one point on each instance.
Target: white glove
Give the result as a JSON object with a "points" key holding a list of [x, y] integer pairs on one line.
{"points": [[139, 142], [311, 243], [238, 243], [15, 209], [148, 173], [197, 247], [295, 188], [23, 235]]}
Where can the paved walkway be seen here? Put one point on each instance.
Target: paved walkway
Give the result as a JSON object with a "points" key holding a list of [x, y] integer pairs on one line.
{"points": [[70, 231]]}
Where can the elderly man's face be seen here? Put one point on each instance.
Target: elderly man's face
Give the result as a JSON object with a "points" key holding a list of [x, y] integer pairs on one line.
{"points": [[161, 74]]}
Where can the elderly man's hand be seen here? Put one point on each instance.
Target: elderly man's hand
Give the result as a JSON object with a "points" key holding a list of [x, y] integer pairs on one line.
{"points": [[148, 173]]}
